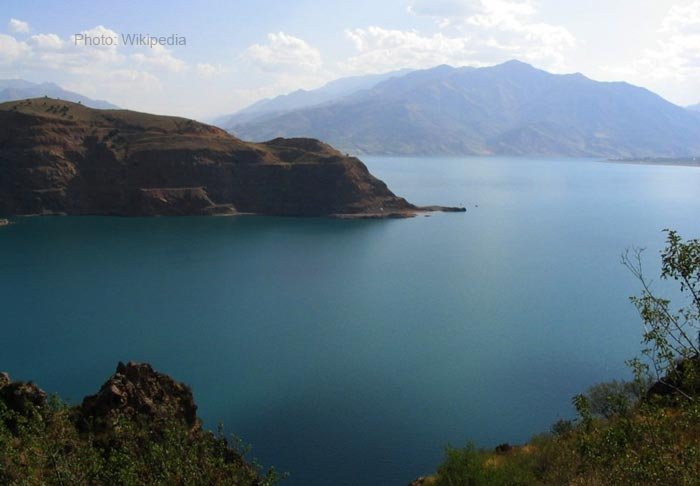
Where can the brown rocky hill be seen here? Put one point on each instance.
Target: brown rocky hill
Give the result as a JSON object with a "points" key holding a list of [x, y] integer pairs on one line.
{"points": [[58, 157]]}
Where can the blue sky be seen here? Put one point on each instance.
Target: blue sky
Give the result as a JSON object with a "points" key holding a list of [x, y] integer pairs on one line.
{"points": [[239, 51]]}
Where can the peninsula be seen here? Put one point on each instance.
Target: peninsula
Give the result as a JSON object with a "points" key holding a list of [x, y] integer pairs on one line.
{"points": [[63, 158]]}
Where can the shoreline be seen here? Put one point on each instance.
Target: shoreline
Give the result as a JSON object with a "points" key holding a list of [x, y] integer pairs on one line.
{"points": [[669, 163], [391, 214]]}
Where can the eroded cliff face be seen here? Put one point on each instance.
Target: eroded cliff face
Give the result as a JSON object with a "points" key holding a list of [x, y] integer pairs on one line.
{"points": [[58, 157]]}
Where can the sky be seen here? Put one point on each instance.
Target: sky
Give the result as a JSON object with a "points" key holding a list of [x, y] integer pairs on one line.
{"points": [[232, 53]]}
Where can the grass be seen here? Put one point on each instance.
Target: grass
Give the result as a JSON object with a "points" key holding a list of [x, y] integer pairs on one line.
{"points": [[655, 441]]}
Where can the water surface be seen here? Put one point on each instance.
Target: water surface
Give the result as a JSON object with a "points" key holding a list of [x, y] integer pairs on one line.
{"points": [[351, 352]]}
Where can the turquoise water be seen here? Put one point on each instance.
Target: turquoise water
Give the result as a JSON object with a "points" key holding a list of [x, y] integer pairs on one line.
{"points": [[352, 352]]}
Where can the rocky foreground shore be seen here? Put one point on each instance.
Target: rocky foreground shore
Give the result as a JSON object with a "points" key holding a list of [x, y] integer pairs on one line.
{"points": [[141, 427], [134, 390]]}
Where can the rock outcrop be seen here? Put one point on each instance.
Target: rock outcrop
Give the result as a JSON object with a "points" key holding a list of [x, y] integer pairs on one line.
{"points": [[20, 396], [135, 390], [58, 157], [422, 481]]}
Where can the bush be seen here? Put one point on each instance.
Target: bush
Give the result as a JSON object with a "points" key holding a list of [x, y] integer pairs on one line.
{"points": [[615, 397], [43, 446], [470, 467]]}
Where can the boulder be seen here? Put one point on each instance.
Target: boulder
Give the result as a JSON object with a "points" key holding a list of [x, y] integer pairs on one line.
{"points": [[136, 391], [503, 448], [20, 396]]}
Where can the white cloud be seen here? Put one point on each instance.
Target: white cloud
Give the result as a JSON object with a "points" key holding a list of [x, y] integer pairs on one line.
{"points": [[207, 70], [46, 42], [286, 63], [472, 32], [104, 71], [676, 55], [129, 75], [479, 12], [500, 29], [11, 49], [683, 19], [382, 49], [285, 52], [160, 57], [77, 55], [18, 26], [503, 14], [444, 9]]}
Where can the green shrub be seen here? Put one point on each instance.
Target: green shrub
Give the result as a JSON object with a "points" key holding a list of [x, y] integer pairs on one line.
{"points": [[45, 447], [470, 467]]}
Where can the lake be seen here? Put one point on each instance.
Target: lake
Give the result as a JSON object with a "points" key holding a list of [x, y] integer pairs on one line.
{"points": [[352, 352]]}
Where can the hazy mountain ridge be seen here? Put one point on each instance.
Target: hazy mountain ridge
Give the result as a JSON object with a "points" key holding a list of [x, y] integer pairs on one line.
{"points": [[19, 89], [301, 98], [510, 109]]}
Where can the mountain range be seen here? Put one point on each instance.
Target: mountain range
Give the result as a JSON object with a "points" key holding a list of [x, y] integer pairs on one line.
{"points": [[510, 109], [302, 98], [19, 89]]}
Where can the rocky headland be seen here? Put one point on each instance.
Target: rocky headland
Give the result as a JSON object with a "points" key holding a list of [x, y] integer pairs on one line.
{"points": [[63, 158]]}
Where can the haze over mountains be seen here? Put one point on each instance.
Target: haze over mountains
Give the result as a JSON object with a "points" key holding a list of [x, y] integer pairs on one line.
{"points": [[303, 99], [19, 89], [510, 109]]}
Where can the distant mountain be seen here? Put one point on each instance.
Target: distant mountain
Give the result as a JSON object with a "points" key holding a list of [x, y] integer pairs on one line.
{"points": [[512, 108], [694, 108], [19, 89], [304, 99]]}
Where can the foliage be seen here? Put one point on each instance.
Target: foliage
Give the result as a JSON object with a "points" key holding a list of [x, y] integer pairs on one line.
{"points": [[670, 334], [470, 467], [653, 445], [613, 398], [45, 447]]}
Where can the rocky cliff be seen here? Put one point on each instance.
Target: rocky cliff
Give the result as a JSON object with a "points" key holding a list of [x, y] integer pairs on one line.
{"points": [[58, 157]]}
